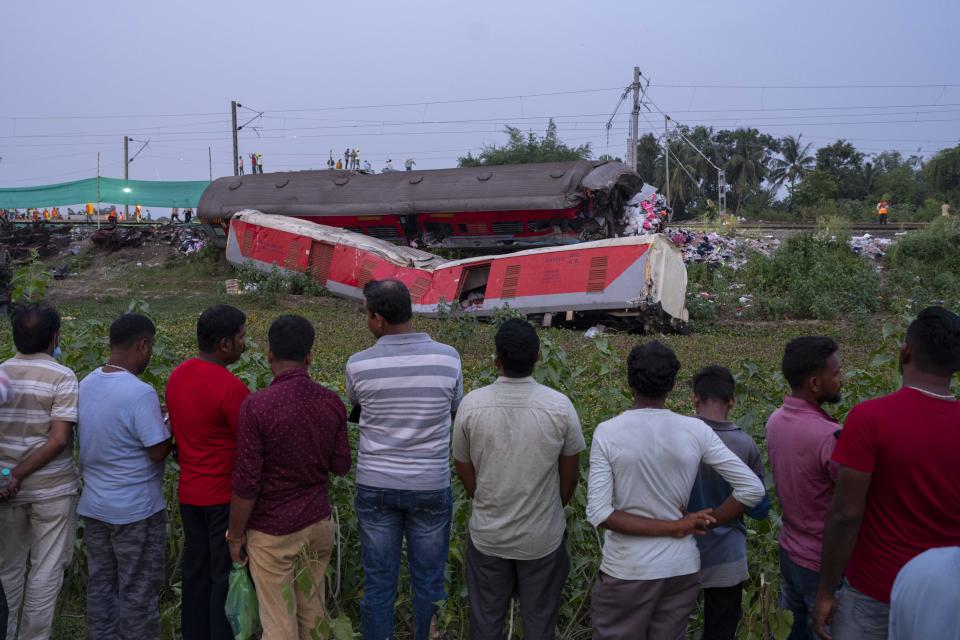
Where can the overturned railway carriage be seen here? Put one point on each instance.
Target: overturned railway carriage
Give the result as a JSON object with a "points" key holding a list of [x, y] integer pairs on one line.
{"points": [[493, 206], [637, 282]]}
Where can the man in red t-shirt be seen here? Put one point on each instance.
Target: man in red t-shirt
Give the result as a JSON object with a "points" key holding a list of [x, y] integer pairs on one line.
{"points": [[898, 484], [204, 400]]}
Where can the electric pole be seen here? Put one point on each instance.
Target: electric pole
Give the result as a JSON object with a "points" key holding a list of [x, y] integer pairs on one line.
{"points": [[634, 125], [666, 152], [210, 162], [126, 173], [236, 145]]}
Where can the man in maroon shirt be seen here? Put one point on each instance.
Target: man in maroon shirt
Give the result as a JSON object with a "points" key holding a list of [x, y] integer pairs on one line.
{"points": [[898, 484], [801, 437], [293, 435], [204, 400]]}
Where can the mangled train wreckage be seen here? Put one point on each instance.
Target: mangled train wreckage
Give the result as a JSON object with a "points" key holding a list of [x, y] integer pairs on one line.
{"points": [[637, 283], [516, 206]]}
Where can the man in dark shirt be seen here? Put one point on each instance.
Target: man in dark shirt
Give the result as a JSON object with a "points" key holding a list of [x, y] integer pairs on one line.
{"points": [[723, 551], [292, 435]]}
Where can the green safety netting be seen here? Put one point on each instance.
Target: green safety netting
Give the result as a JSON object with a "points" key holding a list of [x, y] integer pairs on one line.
{"points": [[108, 190]]}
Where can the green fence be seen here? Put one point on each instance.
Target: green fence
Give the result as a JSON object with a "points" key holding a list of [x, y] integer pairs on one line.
{"points": [[109, 190]]}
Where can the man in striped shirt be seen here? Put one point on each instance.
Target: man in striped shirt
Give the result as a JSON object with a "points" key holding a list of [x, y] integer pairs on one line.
{"points": [[38, 506], [406, 387]]}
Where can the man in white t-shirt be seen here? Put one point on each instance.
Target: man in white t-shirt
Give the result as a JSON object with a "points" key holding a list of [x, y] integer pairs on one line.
{"points": [[643, 464]]}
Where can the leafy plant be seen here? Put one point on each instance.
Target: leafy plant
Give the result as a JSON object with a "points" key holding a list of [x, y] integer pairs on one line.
{"points": [[30, 280]]}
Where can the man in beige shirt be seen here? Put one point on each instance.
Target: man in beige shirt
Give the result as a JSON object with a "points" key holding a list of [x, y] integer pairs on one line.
{"points": [[516, 445], [38, 519]]}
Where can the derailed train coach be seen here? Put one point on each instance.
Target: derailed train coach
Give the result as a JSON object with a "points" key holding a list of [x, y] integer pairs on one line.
{"points": [[635, 283], [517, 206]]}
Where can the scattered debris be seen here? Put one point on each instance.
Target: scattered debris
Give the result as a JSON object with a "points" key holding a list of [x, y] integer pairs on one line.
{"points": [[232, 287], [594, 331], [115, 238], [187, 240], [870, 246], [20, 240], [716, 249]]}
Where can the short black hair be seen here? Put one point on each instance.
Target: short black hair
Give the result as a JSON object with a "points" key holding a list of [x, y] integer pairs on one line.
{"points": [[714, 383], [390, 299], [652, 369], [34, 326], [934, 339], [129, 328], [517, 346], [291, 338], [806, 356], [216, 323]]}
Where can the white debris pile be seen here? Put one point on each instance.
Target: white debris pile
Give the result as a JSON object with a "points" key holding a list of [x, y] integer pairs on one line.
{"points": [[645, 214], [716, 249], [870, 246]]}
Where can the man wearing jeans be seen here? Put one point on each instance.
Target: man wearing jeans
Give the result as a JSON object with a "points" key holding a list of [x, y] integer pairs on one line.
{"points": [[123, 442], [801, 437], [38, 518], [204, 400], [406, 386], [293, 435], [516, 445], [898, 484]]}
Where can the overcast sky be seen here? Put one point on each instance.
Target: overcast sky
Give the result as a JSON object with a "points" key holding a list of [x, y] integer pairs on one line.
{"points": [[76, 76]]}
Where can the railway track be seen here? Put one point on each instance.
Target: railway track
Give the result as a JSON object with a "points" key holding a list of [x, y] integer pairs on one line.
{"points": [[867, 227]]}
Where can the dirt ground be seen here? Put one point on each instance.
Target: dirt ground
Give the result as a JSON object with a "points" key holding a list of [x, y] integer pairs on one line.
{"points": [[144, 272]]}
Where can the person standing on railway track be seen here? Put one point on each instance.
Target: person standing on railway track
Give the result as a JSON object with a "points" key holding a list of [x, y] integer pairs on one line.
{"points": [[38, 519], [292, 436], [643, 464], [204, 398], [801, 437], [516, 448], [405, 388], [898, 484], [883, 209], [123, 443]]}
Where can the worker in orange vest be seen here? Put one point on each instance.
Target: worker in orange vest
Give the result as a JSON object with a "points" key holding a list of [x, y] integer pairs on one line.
{"points": [[89, 212], [138, 213], [882, 210]]}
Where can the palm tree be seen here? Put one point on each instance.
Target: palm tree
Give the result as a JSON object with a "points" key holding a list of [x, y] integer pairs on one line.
{"points": [[794, 163], [747, 166], [684, 187]]}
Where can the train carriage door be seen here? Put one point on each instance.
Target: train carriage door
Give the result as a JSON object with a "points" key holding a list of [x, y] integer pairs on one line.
{"points": [[473, 287], [321, 255]]}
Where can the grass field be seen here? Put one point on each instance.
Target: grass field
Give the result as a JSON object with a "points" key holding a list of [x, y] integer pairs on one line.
{"points": [[174, 292]]}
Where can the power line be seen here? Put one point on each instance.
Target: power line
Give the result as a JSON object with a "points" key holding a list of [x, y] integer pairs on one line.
{"points": [[807, 86]]}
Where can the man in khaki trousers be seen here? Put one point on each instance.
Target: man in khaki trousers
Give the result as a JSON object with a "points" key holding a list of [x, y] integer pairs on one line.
{"points": [[292, 435]]}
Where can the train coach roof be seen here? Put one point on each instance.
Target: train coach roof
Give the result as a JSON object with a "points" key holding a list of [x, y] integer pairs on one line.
{"points": [[546, 186]]}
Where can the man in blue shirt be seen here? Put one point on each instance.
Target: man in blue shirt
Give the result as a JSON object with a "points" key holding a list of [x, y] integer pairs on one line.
{"points": [[723, 551], [123, 443]]}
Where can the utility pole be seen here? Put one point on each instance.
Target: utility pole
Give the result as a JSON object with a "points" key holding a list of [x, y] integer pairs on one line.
{"points": [[98, 190], [210, 162], [634, 125], [126, 173], [722, 192], [666, 152], [236, 145]]}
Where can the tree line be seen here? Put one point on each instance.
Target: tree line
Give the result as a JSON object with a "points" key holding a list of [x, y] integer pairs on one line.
{"points": [[765, 176]]}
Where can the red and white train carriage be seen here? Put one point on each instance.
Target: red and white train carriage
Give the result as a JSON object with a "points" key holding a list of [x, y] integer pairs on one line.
{"points": [[639, 282]]}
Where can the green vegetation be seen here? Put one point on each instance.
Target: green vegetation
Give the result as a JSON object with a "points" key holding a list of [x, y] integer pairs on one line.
{"points": [[525, 148]]}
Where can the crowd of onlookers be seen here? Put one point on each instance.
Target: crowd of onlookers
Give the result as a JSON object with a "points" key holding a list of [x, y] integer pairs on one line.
{"points": [[869, 544]]}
